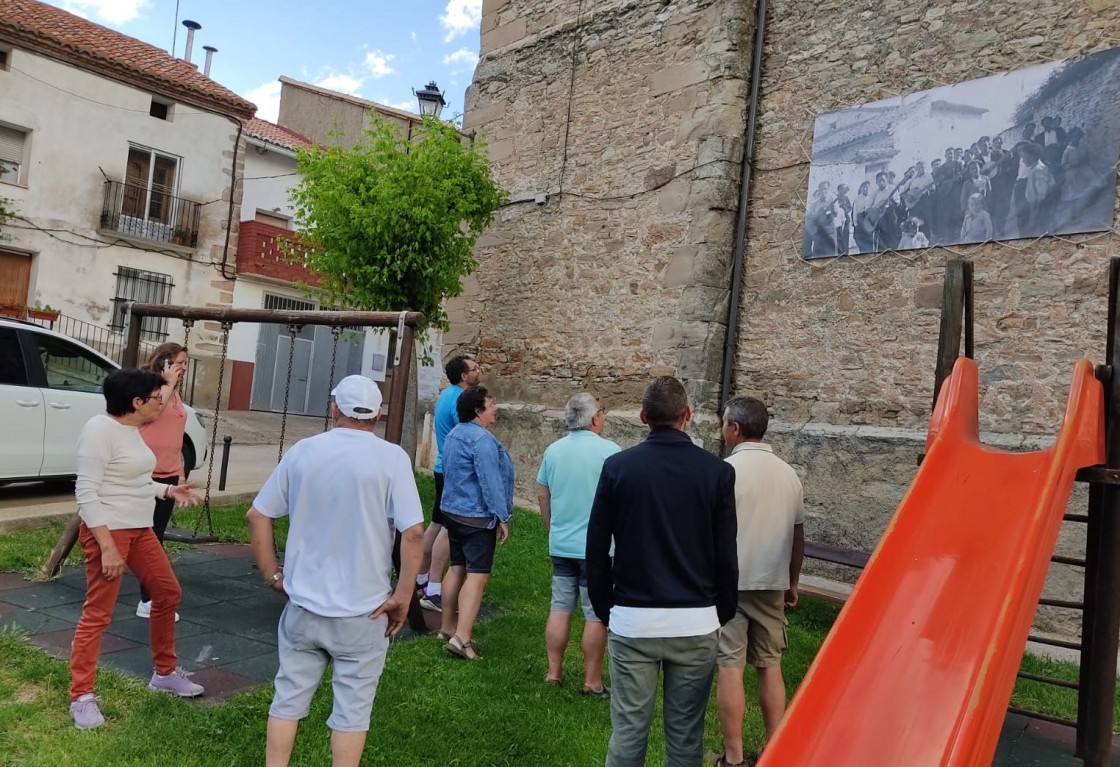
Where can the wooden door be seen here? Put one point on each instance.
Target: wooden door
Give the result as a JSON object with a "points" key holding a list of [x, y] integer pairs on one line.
{"points": [[15, 277]]}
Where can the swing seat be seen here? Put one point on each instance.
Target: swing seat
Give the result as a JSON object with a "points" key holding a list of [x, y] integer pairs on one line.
{"points": [[182, 535]]}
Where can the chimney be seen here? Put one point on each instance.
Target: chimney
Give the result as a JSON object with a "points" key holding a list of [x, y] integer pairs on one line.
{"points": [[210, 51], [191, 26]]}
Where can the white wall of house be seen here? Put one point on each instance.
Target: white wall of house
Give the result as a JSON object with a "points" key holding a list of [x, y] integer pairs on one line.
{"points": [[248, 293], [80, 125], [269, 174]]}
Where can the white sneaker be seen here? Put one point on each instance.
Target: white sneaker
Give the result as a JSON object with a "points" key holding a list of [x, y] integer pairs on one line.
{"points": [[144, 610]]}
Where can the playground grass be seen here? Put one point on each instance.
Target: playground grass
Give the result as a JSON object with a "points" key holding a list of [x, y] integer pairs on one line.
{"points": [[430, 709]]}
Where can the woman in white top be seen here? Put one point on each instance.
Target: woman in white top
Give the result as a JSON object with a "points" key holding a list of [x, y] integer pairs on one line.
{"points": [[115, 491]]}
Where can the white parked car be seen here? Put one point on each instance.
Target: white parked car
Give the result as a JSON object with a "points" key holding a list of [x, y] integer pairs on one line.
{"points": [[50, 385]]}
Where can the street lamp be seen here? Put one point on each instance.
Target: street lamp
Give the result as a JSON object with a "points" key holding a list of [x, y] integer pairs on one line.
{"points": [[431, 100]]}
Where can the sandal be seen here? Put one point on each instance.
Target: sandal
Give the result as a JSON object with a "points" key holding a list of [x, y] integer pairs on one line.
{"points": [[722, 762], [554, 681], [443, 636], [461, 649], [602, 691]]}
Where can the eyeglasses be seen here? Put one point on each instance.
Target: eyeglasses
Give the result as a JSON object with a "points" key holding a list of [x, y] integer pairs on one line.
{"points": [[158, 395]]}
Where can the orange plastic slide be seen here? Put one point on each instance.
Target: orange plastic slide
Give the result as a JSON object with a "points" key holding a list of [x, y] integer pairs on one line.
{"points": [[919, 666]]}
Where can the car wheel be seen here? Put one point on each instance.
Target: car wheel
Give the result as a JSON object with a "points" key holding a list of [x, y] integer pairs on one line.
{"points": [[188, 457]]}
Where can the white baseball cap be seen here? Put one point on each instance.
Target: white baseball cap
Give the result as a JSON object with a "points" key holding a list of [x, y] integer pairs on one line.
{"points": [[357, 397]]}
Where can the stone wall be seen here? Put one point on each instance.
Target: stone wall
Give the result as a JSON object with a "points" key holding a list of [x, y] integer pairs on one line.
{"points": [[852, 340], [618, 131]]}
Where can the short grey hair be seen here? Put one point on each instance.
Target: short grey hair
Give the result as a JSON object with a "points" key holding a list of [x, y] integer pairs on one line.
{"points": [[750, 414], [580, 411]]}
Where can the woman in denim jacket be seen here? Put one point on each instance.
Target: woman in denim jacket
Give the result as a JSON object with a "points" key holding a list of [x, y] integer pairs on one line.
{"points": [[477, 503]]}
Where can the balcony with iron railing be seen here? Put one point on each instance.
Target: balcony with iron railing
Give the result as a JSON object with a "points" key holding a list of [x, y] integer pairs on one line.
{"points": [[150, 213], [259, 252]]}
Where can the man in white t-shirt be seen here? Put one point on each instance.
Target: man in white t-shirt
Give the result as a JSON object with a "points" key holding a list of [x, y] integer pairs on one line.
{"points": [[344, 492], [770, 513]]}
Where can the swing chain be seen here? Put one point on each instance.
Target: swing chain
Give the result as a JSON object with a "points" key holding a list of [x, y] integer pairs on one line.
{"points": [[293, 331], [226, 326], [187, 325], [336, 331]]}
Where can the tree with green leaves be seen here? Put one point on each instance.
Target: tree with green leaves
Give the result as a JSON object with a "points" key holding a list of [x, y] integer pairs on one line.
{"points": [[390, 224]]}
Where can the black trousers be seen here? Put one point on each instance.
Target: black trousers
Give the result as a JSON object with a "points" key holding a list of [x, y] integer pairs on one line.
{"points": [[160, 518]]}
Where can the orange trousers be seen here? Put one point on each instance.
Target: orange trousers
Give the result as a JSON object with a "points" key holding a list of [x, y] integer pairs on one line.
{"points": [[143, 554]]}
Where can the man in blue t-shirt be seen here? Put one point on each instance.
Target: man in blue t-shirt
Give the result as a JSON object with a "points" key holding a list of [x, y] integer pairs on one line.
{"points": [[462, 371], [566, 486]]}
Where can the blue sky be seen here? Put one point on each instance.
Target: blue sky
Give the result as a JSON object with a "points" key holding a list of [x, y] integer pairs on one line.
{"points": [[377, 49]]}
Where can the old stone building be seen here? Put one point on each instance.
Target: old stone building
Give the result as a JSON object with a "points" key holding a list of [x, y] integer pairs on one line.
{"points": [[619, 128]]}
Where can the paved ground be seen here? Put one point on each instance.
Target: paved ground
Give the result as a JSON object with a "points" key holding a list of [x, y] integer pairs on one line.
{"points": [[226, 638]]}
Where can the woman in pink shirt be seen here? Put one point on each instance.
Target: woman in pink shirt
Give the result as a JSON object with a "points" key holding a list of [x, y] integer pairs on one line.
{"points": [[164, 437]]}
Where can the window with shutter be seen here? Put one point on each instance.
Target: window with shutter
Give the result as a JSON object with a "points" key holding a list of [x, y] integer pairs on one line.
{"points": [[12, 142]]}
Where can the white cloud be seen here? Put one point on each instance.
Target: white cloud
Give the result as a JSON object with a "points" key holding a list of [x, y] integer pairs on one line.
{"points": [[409, 106], [377, 62], [461, 57], [112, 11], [342, 83], [460, 17], [413, 36], [267, 99]]}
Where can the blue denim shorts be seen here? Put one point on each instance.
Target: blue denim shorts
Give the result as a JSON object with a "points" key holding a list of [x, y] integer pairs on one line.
{"points": [[569, 580]]}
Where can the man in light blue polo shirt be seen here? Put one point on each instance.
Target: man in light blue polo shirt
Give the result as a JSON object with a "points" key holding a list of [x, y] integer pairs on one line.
{"points": [[566, 486]]}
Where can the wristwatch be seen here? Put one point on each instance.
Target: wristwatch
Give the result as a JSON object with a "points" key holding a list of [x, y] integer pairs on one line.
{"points": [[275, 577]]}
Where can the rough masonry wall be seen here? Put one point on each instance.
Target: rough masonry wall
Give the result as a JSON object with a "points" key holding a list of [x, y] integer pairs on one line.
{"points": [[852, 340], [624, 119]]}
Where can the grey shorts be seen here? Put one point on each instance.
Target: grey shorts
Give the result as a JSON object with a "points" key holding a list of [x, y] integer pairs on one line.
{"points": [[307, 642], [569, 580]]}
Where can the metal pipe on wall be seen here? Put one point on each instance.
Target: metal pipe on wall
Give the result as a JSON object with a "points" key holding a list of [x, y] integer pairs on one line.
{"points": [[745, 176]]}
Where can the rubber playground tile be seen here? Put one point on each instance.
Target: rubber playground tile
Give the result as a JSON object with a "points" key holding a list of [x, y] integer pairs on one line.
{"points": [[193, 556], [139, 630], [57, 643], [70, 611], [32, 622], [232, 616], [9, 581], [261, 668], [135, 661], [228, 549], [221, 683], [229, 568], [192, 602], [221, 589], [42, 595], [218, 649]]}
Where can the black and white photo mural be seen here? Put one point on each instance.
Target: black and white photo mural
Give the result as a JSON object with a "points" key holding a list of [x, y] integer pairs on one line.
{"points": [[1012, 156]]}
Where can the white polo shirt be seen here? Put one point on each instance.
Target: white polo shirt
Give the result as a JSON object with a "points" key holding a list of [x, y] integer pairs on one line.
{"points": [[768, 503], [345, 491]]}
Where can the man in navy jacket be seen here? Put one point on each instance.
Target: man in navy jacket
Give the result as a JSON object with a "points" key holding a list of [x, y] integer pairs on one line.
{"points": [[670, 508]]}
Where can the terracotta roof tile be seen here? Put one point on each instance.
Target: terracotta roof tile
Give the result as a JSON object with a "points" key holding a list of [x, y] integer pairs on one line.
{"points": [[276, 134], [48, 31]]}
